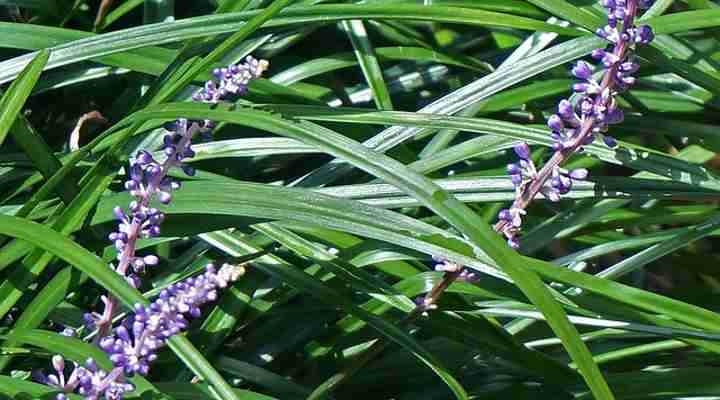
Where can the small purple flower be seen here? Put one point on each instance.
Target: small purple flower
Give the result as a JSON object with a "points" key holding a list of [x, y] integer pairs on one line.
{"points": [[513, 222], [582, 70], [523, 171], [522, 150]]}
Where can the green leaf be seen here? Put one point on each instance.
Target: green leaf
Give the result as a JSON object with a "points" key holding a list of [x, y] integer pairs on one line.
{"points": [[684, 21], [168, 32], [13, 100], [42, 156], [461, 98], [569, 12], [306, 283], [39, 308], [320, 65], [368, 61]]}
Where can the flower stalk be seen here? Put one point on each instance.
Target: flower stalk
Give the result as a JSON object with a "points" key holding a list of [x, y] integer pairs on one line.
{"points": [[574, 126], [133, 345]]}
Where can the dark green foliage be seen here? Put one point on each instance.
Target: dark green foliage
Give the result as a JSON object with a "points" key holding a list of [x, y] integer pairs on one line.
{"points": [[377, 139]]}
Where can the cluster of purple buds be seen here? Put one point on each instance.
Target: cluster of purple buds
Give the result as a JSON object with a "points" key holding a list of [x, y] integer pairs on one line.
{"points": [[620, 27], [88, 381], [133, 345], [232, 81], [578, 124], [596, 107], [148, 179], [524, 172]]}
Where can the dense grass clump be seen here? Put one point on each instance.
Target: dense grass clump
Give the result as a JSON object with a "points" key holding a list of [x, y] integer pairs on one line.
{"points": [[378, 199]]}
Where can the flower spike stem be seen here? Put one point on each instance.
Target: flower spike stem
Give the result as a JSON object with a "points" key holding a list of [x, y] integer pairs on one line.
{"points": [[133, 345], [597, 108], [573, 127]]}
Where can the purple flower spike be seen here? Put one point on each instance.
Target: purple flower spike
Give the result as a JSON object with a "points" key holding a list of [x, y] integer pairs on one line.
{"points": [[575, 126], [132, 345], [465, 274], [232, 81], [147, 177]]}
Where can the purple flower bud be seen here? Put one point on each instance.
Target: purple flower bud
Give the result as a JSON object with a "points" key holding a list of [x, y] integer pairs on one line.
{"points": [[131, 185], [610, 141], [68, 331], [144, 157], [153, 260], [579, 174], [58, 363], [580, 87], [556, 182], [153, 231], [610, 59], [601, 33], [565, 109], [522, 150], [119, 213], [598, 54], [644, 34], [165, 197], [582, 70], [555, 123], [629, 67], [189, 153], [189, 171], [504, 215]]}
